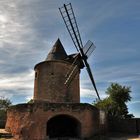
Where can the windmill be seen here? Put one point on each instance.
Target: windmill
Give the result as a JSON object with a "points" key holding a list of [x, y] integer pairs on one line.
{"points": [[83, 51]]}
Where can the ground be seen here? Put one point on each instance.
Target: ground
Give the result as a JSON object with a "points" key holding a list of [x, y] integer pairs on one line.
{"points": [[123, 137], [115, 136]]}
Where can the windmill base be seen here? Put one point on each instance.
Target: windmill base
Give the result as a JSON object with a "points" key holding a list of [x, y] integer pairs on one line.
{"points": [[42, 120]]}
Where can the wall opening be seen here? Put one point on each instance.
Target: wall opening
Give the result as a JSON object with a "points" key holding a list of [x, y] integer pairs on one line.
{"points": [[63, 126], [36, 74]]}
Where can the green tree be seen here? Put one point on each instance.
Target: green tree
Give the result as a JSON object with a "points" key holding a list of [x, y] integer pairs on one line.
{"points": [[115, 104], [4, 105]]}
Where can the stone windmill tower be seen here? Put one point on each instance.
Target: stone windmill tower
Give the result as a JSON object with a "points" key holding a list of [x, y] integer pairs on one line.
{"points": [[51, 75], [56, 111]]}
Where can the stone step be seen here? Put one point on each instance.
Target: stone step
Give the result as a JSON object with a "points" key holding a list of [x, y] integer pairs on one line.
{"points": [[5, 134]]}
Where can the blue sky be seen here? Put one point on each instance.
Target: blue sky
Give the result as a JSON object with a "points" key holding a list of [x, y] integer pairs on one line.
{"points": [[29, 28]]}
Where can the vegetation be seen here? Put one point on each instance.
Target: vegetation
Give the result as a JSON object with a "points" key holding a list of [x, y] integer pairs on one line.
{"points": [[115, 104], [4, 105]]}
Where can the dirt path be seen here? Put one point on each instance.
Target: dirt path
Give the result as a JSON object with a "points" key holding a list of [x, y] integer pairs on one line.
{"points": [[123, 137], [115, 136]]}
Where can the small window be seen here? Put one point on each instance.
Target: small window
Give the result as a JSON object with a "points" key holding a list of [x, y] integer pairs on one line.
{"points": [[52, 73], [35, 75]]}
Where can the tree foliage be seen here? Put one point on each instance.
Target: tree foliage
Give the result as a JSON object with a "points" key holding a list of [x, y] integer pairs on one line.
{"points": [[4, 105], [115, 104]]}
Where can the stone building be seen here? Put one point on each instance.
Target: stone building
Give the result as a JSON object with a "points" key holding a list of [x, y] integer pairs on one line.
{"points": [[56, 110]]}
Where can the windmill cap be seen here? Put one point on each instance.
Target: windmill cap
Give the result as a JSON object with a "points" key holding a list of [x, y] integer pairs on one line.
{"points": [[57, 52]]}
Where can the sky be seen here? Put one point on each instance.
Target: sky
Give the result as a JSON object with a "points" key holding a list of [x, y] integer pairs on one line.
{"points": [[29, 28]]}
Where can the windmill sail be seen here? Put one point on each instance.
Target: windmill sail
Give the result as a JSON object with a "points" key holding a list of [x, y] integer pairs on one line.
{"points": [[89, 48], [92, 79], [71, 75], [71, 24], [72, 72]]}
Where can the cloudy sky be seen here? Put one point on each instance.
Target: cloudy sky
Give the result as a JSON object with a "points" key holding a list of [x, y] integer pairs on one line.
{"points": [[29, 28]]}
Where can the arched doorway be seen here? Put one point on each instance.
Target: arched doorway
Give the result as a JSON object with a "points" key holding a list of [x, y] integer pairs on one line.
{"points": [[63, 126]]}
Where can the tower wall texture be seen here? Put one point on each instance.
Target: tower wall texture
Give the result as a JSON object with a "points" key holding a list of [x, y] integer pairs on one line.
{"points": [[50, 77]]}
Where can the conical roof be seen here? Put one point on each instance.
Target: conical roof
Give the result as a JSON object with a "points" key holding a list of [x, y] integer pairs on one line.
{"points": [[57, 52]]}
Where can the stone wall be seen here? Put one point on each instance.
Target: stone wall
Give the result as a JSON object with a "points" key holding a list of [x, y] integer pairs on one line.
{"points": [[29, 121], [50, 77], [131, 126]]}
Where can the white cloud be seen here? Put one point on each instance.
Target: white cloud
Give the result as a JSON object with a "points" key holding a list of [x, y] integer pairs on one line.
{"points": [[87, 93], [134, 102], [119, 73], [17, 81], [17, 85], [90, 93]]}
